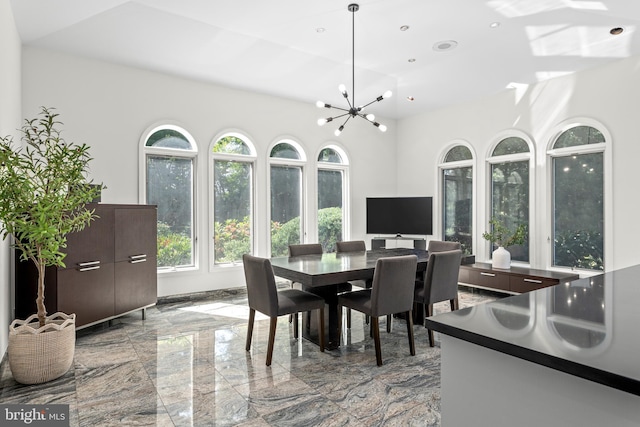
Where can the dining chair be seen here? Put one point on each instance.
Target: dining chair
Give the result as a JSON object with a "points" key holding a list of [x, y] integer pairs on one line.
{"points": [[357, 246], [264, 297], [440, 283], [315, 249], [441, 245], [391, 292]]}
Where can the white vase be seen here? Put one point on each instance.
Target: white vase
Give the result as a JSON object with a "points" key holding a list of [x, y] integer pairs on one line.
{"points": [[501, 258]]}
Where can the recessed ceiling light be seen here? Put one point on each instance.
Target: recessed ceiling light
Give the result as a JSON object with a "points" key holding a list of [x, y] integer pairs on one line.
{"points": [[445, 45], [412, 60], [494, 25], [617, 30], [404, 28], [410, 98], [320, 30]]}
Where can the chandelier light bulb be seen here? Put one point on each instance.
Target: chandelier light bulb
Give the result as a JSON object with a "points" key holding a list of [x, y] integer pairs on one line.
{"points": [[320, 104], [387, 94], [382, 128], [370, 117], [338, 131], [322, 122], [342, 88]]}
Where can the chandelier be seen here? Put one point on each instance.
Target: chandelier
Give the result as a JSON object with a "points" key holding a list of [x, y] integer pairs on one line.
{"points": [[352, 111]]}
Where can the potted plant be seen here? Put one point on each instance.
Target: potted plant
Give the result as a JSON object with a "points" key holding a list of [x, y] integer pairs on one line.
{"points": [[43, 193], [503, 237]]}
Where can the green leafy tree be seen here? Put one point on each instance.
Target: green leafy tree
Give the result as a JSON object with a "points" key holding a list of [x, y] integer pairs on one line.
{"points": [[43, 193]]}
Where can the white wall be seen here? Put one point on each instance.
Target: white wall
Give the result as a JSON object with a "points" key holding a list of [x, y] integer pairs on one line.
{"points": [[109, 107], [609, 94], [9, 122]]}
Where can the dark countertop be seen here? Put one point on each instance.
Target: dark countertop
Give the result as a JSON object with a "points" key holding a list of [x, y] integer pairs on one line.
{"points": [[589, 327]]}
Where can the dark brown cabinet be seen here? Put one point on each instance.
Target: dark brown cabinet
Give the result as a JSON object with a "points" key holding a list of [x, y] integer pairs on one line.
{"points": [[110, 268], [515, 280]]}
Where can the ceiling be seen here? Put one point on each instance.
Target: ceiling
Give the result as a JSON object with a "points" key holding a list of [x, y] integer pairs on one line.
{"points": [[275, 46]]}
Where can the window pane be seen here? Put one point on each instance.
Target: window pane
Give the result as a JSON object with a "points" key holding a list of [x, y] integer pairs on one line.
{"points": [[170, 187], [168, 138], [286, 185], [510, 200], [458, 192], [232, 210], [579, 135], [329, 155], [457, 153], [231, 145], [511, 145], [329, 209], [285, 151], [579, 211]]}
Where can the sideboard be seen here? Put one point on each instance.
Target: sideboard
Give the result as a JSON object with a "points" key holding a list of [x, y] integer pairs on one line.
{"points": [[110, 268], [515, 280]]}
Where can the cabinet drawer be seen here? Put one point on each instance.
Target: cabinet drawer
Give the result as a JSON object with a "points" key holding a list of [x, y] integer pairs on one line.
{"points": [[523, 284], [89, 294], [489, 279]]}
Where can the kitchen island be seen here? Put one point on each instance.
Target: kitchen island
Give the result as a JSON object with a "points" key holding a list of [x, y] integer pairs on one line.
{"points": [[566, 355]]}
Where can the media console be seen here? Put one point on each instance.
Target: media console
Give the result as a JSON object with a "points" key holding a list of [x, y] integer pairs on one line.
{"points": [[515, 280], [381, 242]]}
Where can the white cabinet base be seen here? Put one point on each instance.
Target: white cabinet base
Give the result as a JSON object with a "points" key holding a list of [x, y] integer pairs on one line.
{"points": [[483, 387]]}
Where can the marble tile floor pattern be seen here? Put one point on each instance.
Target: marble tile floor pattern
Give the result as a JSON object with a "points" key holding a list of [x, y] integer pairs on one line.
{"points": [[185, 365]]}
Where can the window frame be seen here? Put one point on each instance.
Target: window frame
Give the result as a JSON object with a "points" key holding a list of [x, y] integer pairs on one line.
{"points": [[440, 193], [144, 152], [511, 158], [608, 226], [302, 163], [344, 167], [252, 159]]}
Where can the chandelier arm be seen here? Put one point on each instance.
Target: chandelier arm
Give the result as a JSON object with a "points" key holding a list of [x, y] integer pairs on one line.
{"points": [[340, 108], [341, 115], [366, 105]]}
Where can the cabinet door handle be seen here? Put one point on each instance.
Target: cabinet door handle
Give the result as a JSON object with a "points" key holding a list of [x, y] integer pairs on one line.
{"points": [[533, 281], [86, 264], [134, 259], [95, 267], [482, 273]]}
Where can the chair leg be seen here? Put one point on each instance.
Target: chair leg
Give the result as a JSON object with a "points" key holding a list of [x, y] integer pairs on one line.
{"points": [[252, 316], [321, 320], [375, 325], [424, 315], [455, 305], [296, 333], [412, 343], [429, 314], [340, 324], [272, 338], [389, 317], [348, 318]]}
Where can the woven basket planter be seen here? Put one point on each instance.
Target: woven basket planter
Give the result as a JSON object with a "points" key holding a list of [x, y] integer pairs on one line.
{"points": [[41, 354]]}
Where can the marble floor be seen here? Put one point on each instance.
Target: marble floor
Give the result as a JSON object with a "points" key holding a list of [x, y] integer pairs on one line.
{"points": [[185, 365]]}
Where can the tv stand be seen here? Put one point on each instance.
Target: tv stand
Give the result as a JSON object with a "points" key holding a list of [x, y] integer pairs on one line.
{"points": [[392, 242]]}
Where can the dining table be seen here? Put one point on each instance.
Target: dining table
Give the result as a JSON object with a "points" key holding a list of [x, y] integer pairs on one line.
{"points": [[321, 275]]}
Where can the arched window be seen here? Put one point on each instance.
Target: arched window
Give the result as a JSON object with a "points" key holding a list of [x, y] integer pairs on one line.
{"points": [[332, 197], [457, 197], [509, 165], [286, 162], [578, 196], [170, 162], [234, 160]]}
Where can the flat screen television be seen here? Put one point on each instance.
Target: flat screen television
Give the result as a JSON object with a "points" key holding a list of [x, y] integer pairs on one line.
{"points": [[400, 215]]}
